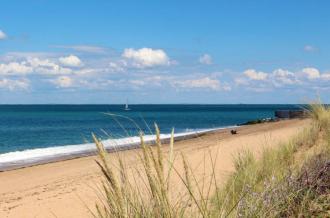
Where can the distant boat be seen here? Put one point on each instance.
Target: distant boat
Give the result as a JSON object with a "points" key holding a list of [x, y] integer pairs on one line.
{"points": [[126, 106]]}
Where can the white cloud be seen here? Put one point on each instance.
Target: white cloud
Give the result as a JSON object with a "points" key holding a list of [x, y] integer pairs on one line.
{"points": [[33, 65], [304, 78], [282, 73], [12, 85], [2, 35], [310, 48], [47, 67], [254, 75], [120, 73], [285, 77], [311, 73], [38, 66], [15, 68], [70, 61], [205, 82], [46, 63], [205, 59], [63, 82], [146, 57], [254, 81], [261, 81]]}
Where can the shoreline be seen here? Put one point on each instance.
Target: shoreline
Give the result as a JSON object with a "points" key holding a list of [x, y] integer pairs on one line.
{"points": [[45, 190], [17, 159]]}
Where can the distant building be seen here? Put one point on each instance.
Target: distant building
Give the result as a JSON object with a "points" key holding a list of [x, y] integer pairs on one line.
{"points": [[290, 114]]}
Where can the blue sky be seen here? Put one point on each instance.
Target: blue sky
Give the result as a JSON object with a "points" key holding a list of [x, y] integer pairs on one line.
{"points": [[164, 52]]}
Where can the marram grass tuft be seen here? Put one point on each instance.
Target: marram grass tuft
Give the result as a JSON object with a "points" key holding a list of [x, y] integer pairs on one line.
{"points": [[278, 184]]}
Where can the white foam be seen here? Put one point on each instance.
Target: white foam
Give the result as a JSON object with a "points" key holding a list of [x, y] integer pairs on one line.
{"points": [[30, 157]]}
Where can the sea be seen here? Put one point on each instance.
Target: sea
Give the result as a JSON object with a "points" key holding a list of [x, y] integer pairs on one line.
{"points": [[32, 134]]}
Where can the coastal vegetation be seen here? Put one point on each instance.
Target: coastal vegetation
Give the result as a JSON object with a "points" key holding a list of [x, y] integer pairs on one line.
{"points": [[290, 180]]}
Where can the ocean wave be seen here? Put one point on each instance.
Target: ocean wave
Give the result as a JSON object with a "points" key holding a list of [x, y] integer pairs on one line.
{"points": [[18, 159]]}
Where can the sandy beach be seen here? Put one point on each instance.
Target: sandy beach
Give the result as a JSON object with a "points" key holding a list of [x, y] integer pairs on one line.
{"points": [[68, 188]]}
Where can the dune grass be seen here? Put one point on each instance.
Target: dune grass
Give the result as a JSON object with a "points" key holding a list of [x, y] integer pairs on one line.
{"points": [[279, 183], [291, 180]]}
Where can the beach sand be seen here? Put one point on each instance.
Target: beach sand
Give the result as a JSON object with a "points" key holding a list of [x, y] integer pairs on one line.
{"points": [[69, 188]]}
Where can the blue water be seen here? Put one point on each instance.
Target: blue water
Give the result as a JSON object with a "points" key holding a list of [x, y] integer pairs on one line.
{"points": [[25, 127]]}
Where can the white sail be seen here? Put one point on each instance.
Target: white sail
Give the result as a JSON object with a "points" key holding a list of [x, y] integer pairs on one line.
{"points": [[126, 106]]}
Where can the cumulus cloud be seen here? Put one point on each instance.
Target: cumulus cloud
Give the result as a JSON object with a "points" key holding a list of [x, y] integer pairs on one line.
{"points": [[120, 73], [146, 57], [33, 65], [70, 61], [206, 83], [261, 81], [15, 68], [47, 67], [44, 66], [12, 85], [280, 78], [81, 82], [283, 77], [205, 59], [311, 73], [2, 35], [255, 75]]}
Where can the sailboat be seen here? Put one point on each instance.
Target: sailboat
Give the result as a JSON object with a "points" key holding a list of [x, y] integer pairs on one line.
{"points": [[126, 106]]}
